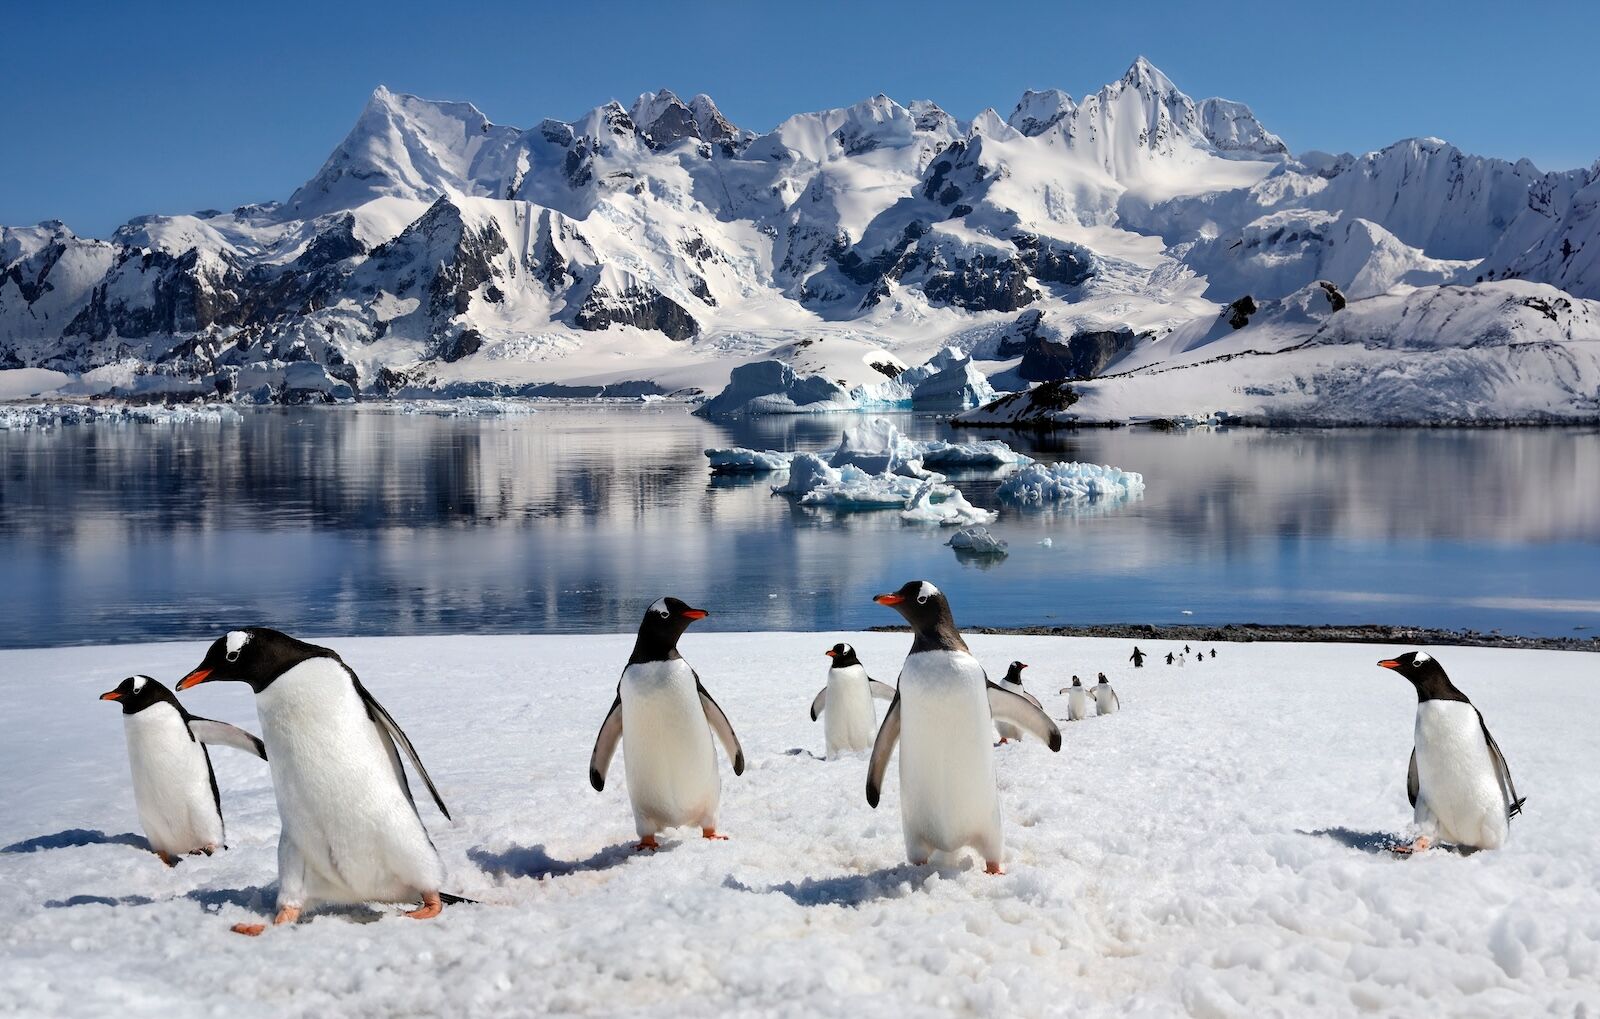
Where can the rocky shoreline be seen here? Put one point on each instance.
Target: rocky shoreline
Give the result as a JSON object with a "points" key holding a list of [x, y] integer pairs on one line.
{"points": [[1251, 632]]}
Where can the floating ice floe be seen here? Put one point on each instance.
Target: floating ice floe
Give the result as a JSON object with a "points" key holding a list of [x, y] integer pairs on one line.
{"points": [[739, 460], [878, 447], [814, 482], [1038, 484], [772, 387], [463, 407], [977, 540], [48, 415], [936, 503]]}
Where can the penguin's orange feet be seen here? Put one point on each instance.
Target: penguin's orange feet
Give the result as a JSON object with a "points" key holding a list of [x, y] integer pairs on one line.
{"points": [[1003, 742], [648, 843], [249, 930], [288, 914], [167, 858], [711, 833], [1419, 846], [430, 907], [993, 868]]}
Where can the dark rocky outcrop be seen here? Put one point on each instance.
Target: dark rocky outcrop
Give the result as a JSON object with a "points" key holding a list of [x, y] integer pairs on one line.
{"points": [[641, 306], [1084, 355]]}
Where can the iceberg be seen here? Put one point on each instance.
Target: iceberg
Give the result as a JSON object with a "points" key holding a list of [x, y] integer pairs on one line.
{"points": [[1038, 484], [878, 447], [977, 540], [772, 387], [961, 386], [739, 460], [49, 415]]}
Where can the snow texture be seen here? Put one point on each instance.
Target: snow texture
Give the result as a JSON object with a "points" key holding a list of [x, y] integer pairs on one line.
{"points": [[1215, 848]]}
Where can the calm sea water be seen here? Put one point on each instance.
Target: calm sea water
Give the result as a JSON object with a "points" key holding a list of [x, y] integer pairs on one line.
{"points": [[341, 521]]}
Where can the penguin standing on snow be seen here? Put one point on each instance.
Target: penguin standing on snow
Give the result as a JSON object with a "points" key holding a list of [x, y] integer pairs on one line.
{"points": [[1013, 683], [1077, 700], [1137, 658], [1169, 658], [1458, 782], [1105, 698], [174, 787], [845, 704], [943, 716], [351, 832], [664, 719]]}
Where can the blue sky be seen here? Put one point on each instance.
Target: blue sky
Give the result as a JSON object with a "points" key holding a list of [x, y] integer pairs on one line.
{"points": [[113, 110]]}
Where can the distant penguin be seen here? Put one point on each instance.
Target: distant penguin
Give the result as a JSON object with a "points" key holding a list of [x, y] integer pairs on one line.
{"points": [[1137, 658], [1013, 683], [1077, 700], [665, 720], [351, 831], [943, 715], [849, 721], [1213, 652], [174, 788], [1186, 649], [1458, 782], [1169, 658], [1105, 698], [1183, 660]]}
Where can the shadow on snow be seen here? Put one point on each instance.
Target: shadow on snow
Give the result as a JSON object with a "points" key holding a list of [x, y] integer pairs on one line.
{"points": [[848, 889], [536, 862], [74, 837]]}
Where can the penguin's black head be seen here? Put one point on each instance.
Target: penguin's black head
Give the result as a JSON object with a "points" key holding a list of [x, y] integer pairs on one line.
{"points": [[663, 623], [1102, 676], [139, 692], [925, 608], [1076, 681], [1426, 674], [255, 655], [1014, 673], [843, 656]]}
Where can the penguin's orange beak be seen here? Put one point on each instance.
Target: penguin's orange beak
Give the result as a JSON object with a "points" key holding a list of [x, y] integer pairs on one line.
{"points": [[889, 599], [1022, 665], [111, 695], [686, 613], [194, 678], [1389, 663], [831, 653]]}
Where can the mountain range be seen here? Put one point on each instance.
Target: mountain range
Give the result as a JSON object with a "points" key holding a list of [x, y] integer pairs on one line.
{"points": [[652, 248]]}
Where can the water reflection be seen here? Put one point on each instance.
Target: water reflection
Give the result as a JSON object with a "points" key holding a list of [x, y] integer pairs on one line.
{"points": [[570, 520]]}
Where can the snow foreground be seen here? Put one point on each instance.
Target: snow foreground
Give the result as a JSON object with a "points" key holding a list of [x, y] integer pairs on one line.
{"points": [[1208, 850]]}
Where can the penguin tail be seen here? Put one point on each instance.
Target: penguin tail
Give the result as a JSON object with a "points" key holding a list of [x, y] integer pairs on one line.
{"points": [[456, 900], [1516, 808]]}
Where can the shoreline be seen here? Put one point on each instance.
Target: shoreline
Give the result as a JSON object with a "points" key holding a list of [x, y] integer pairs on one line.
{"points": [[1316, 633]]}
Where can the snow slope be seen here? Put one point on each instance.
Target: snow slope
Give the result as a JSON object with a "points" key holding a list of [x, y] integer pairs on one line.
{"points": [[1206, 851]]}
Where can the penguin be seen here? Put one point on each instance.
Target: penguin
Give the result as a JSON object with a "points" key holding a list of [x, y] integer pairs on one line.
{"points": [[1213, 652], [1458, 782], [1137, 658], [1077, 700], [1169, 658], [174, 787], [943, 715], [350, 828], [1105, 698], [1013, 683], [849, 720], [665, 720]]}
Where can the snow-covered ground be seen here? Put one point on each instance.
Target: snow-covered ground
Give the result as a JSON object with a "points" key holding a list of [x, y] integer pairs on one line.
{"points": [[1210, 850]]}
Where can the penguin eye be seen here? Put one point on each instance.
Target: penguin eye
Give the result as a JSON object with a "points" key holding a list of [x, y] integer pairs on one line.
{"points": [[663, 613], [922, 599]]}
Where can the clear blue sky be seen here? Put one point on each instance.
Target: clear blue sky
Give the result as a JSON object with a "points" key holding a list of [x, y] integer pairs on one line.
{"points": [[110, 110]]}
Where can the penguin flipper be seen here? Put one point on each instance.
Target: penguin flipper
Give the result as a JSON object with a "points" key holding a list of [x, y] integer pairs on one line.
{"points": [[722, 727], [605, 745], [882, 750], [207, 730], [882, 691], [390, 730], [1502, 772], [1024, 713], [818, 702], [1411, 778]]}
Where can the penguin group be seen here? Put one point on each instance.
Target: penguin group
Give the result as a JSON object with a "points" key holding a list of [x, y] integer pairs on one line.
{"points": [[351, 830]]}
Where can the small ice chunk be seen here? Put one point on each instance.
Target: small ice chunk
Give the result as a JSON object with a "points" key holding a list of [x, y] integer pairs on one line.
{"points": [[1046, 542], [738, 460], [977, 539]]}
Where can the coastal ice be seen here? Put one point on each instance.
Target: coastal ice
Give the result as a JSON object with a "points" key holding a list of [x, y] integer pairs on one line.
{"points": [[48, 415]]}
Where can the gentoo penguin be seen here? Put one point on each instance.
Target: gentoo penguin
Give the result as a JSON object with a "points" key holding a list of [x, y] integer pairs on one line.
{"points": [[849, 720], [1013, 683], [1077, 700], [1137, 658], [350, 829], [1458, 782], [943, 715], [174, 787], [1105, 698], [665, 719]]}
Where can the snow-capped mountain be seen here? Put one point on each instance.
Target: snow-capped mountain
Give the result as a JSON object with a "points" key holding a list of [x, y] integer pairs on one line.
{"points": [[653, 246]]}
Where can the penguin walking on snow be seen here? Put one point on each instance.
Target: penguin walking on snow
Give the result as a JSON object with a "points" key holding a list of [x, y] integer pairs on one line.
{"points": [[943, 717], [351, 832], [1077, 700], [174, 787], [1458, 782], [1169, 658], [1106, 701], [849, 720], [664, 719], [1012, 682], [1137, 658]]}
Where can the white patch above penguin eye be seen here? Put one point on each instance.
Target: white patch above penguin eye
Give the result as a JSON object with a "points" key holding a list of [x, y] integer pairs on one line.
{"points": [[925, 592], [1422, 656], [138, 683], [660, 608], [237, 639]]}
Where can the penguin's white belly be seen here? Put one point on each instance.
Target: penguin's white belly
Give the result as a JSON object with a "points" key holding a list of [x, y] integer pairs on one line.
{"points": [[1077, 704], [849, 720], [1006, 729], [947, 785], [667, 752], [171, 782], [349, 822], [1105, 701], [1457, 788]]}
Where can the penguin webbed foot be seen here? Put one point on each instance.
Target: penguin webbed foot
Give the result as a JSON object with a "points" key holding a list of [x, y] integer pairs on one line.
{"points": [[286, 914], [429, 909], [991, 867], [168, 858], [1418, 845], [648, 844], [711, 833]]}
